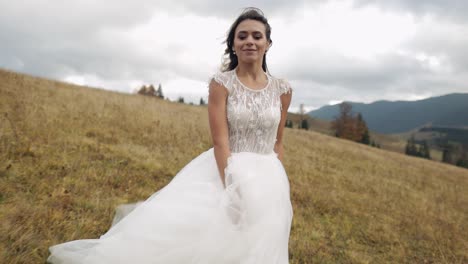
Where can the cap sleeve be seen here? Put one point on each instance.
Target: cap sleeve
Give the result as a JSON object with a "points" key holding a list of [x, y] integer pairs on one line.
{"points": [[222, 78], [284, 86]]}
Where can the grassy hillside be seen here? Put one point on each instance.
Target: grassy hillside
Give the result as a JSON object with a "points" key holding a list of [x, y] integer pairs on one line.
{"points": [[69, 155], [315, 124], [394, 143]]}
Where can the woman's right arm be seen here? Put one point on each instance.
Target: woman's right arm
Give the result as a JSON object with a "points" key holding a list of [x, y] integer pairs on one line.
{"points": [[217, 99]]}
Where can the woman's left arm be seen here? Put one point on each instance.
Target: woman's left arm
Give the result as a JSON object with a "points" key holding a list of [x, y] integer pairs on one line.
{"points": [[285, 101]]}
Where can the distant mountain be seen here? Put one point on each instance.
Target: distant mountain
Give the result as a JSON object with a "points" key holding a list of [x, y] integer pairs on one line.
{"points": [[401, 116]]}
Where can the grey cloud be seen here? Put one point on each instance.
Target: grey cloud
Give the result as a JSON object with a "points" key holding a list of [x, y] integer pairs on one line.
{"points": [[335, 69], [447, 41], [230, 9], [68, 38], [323, 77], [56, 38], [455, 10], [71, 17], [57, 58], [449, 9]]}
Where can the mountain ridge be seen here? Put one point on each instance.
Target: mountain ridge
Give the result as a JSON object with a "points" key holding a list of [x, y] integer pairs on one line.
{"points": [[390, 117]]}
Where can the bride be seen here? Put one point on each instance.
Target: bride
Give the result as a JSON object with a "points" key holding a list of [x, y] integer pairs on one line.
{"points": [[229, 205]]}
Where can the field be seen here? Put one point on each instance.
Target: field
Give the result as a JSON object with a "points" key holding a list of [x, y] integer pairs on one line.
{"points": [[70, 154], [392, 142]]}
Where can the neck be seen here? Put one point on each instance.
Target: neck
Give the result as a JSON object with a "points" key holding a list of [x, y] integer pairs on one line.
{"points": [[253, 71]]}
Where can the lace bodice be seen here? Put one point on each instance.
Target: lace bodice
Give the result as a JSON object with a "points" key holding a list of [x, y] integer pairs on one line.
{"points": [[253, 115]]}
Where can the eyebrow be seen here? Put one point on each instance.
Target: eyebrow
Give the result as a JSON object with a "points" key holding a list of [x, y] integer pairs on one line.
{"points": [[245, 31]]}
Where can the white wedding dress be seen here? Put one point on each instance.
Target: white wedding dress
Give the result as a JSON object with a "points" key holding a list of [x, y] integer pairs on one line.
{"points": [[194, 219]]}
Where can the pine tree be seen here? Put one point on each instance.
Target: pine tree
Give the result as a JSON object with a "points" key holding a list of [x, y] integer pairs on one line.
{"points": [[447, 155], [305, 124], [365, 137], [462, 163], [463, 160], [425, 151], [362, 130], [411, 148], [159, 93], [202, 102], [343, 122], [180, 99]]}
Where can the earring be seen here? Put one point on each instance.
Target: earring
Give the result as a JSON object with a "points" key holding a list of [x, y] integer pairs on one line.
{"points": [[234, 52]]}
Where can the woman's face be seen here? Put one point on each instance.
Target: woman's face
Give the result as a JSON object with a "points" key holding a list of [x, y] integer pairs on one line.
{"points": [[250, 42]]}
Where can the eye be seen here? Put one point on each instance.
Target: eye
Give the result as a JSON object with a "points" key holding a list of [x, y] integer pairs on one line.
{"points": [[258, 35], [241, 36]]}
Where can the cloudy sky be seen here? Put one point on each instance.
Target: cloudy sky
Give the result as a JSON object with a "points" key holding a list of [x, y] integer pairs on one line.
{"points": [[330, 51]]}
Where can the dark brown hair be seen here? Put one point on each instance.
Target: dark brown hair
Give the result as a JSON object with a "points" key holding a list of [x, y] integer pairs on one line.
{"points": [[230, 60]]}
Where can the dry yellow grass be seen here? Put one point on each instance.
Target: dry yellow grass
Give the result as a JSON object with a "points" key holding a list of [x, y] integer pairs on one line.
{"points": [[394, 143], [69, 155]]}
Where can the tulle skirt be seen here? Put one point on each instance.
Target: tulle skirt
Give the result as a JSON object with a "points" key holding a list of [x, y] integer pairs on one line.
{"points": [[194, 219]]}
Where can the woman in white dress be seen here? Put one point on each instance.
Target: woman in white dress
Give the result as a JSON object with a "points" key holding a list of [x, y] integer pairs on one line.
{"points": [[229, 205]]}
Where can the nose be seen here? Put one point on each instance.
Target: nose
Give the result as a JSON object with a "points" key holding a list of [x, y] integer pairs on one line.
{"points": [[249, 41]]}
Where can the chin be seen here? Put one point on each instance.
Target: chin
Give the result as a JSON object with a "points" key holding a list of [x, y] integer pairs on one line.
{"points": [[250, 60]]}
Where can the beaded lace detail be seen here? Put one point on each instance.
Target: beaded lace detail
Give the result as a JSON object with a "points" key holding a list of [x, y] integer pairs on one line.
{"points": [[253, 114]]}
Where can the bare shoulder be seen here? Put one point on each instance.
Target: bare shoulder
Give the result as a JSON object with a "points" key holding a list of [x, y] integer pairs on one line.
{"points": [[220, 81], [284, 89], [217, 94], [283, 86], [216, 88]]}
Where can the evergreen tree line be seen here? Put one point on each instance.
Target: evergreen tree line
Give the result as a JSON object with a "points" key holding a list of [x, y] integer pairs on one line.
{"points": [[452, 153], [181, 99], [149, 90], [418, 150], [456, 154], [303, 124]]}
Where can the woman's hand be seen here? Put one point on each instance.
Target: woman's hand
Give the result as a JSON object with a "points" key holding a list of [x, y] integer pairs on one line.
{"points": [[279, 151]]}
